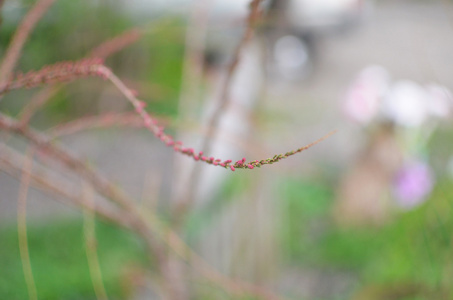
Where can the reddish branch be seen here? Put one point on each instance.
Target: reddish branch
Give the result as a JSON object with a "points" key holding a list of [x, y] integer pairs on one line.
{"points": [[101, 185], [59, 72], [20, 37], [116, 44], [108, 120], [68, 71], [213, 123], [101, 52], [149, 226], [182, 205], [11, 162], [144, 226]]}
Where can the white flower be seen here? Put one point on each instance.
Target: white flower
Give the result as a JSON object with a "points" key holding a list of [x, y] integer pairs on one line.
{"points": [[406, 104]]}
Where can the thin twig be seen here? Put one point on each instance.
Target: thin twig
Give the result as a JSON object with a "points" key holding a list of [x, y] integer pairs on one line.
{"points": [[132, 120], [214, 120], [102, 51], [91, 245], [149, 226], [193, 62], [127, 38], [182, 205], [22, 225], [101, 184], [144, 226], [192, 71], [68, 71], [252, 19], [11, 163], [129, 218], [20, 37], [129, 119], [116, 44]]}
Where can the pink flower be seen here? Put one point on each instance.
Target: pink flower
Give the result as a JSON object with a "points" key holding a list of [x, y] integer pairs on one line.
{"points": [[365, 93], [413, 184]]}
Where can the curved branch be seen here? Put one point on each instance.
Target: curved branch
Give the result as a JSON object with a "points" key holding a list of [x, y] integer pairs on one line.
{"points": [[149, 225], [68, 71], [20, 37]]}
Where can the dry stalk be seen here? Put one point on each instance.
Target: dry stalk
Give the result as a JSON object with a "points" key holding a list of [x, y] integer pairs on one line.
{"points": [[91, 244], [22, 225], [11, 163], [126, 38], [151, 124], [20, 37], [116, 44], [68, 71], [149, 226], [108, 120], [102, 51], [192, 72], [183, 205], [101, 184]]}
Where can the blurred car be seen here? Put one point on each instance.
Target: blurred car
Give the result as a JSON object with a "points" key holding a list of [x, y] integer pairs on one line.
{"points": [[293, 29], [290, 30]]}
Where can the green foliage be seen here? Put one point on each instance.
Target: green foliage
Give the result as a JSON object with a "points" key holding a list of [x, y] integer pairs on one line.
{"points": [[163, 69], [59, 262], [70, 30], [413, 250], [305, 208]]}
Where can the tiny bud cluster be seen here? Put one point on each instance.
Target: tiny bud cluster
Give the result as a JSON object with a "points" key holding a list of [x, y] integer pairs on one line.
{"points": [[59, 72], [178, 147], [67, 71]]}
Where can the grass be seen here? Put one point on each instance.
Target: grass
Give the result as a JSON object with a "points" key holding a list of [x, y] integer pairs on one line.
{"points": [[409, 258], [58, 258]]}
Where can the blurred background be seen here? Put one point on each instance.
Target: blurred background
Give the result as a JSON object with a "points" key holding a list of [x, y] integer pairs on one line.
{"points": [[366, 214]]}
